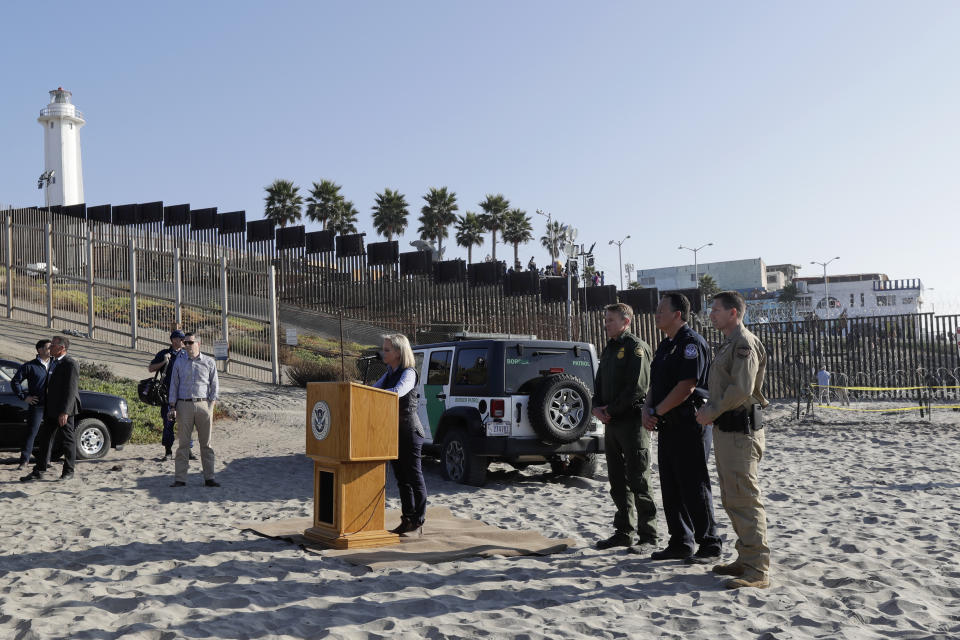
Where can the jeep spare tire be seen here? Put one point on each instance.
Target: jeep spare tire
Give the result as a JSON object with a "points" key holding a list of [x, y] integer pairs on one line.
{"points": [[559, 409]]}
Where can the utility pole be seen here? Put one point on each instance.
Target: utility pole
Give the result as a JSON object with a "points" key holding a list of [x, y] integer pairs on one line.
{"points": [[826, 287], [696, 270], [619, 244]]}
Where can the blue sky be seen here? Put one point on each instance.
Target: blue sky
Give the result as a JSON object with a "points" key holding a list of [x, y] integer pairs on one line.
{"points": [[790, 131]]}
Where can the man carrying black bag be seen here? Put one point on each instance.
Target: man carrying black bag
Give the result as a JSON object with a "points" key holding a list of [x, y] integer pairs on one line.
{"points": [[164, 360], [62, 404]]}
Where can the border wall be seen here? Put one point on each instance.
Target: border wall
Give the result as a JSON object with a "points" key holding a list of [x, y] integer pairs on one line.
{"points": [[131, 273]]}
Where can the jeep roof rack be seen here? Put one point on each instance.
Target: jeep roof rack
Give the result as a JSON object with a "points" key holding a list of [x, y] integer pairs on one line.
{"points": [[470, 335]]}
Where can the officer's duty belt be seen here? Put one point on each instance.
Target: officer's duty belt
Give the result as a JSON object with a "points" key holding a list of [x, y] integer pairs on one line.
{"points": [[742, 420]]}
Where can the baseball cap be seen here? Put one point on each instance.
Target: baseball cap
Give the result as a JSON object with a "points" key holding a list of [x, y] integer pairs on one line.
{"points": [[176, 333]]}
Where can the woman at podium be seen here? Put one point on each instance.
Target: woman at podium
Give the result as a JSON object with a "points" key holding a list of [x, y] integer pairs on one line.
{"points": [[401, 378]]}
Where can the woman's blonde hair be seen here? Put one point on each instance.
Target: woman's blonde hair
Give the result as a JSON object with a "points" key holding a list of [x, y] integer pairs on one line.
{"points": [[399, 342]]}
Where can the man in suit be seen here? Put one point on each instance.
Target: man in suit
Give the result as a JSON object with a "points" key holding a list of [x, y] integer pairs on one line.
{"points": [[34, 374], [62, 404]]}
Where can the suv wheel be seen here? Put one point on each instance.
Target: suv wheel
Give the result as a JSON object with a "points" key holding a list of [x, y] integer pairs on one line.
{"points": [[93, 439], [559, 409], [458, 463]]}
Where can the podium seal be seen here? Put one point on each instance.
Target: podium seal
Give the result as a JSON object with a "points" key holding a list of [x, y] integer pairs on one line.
{"points": [[320, 420]]}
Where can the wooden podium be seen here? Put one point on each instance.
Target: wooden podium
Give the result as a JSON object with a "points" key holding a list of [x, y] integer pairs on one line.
{"points": [[351, 433]]}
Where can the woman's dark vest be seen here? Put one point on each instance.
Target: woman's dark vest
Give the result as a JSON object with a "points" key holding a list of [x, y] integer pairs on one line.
{"points": [[408, 402]]}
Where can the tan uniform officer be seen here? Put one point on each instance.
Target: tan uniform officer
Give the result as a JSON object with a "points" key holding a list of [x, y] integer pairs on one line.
{"points": [[735, 383]]}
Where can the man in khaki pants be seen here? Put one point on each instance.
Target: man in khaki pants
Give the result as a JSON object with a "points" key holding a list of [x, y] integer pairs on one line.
{"points": [[735, 384], [194, 387]]}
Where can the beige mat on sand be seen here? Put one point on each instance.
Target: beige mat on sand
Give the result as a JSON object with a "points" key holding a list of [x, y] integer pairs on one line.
{"points": [[445, 538]]}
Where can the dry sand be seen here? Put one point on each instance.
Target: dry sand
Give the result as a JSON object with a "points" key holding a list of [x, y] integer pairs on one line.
{"points": [[863, 516]]}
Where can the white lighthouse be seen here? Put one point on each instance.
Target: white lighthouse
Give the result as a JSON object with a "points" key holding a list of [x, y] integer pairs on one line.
{"points": [[63, 171]]}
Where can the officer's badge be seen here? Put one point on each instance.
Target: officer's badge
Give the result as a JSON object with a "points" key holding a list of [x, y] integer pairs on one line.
{"points": [[690, 352], [620, 354], [638, 351], [744, 352]]}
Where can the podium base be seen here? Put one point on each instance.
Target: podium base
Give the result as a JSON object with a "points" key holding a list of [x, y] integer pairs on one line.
{"points": [[359, 540]]}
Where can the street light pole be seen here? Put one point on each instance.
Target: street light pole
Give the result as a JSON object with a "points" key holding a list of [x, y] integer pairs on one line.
{"points": [[826, 286], [696, 270], [619, 244]]}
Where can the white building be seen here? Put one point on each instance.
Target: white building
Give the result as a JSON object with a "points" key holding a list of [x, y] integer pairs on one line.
{"points": [[742, 275], [861, 294], [61, 122]]}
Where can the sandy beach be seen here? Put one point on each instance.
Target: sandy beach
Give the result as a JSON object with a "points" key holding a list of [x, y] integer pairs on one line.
{"points": [[863, 513]]}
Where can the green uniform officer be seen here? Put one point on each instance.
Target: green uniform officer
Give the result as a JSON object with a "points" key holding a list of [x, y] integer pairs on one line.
{"points": [[736, 400], [621, 384]]}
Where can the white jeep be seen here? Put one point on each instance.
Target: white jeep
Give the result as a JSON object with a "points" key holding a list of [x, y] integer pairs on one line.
{"points": [[521, 401]]}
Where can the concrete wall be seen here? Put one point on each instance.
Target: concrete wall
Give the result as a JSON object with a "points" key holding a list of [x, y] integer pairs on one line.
{"points": [[860, 299], [730, 274]]}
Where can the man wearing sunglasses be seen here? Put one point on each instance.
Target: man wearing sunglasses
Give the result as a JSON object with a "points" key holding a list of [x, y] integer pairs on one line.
{"points": [[194, 387]]}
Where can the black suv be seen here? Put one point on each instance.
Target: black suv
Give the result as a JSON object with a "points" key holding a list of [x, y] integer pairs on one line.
{"points": [[516, 400], [103, 421]]}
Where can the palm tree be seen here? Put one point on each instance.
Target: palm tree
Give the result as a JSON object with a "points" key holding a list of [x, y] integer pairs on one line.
{"points": [[344, 218], [553, 240], [283, 203], [437, 215], [495, 209], [322, 201], [517, 230], [390, 213], [470, 233], [708, 286]]}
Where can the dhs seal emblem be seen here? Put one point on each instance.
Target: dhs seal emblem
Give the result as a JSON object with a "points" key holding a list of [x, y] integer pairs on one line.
{"points": [[320, 420]]}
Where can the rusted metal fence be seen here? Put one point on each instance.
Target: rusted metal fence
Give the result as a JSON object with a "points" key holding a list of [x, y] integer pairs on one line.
{"points": [[134, 284]]}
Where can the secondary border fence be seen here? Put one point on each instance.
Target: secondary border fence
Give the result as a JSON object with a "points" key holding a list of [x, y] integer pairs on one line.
{"points": [[131, 273], [132, 285]]}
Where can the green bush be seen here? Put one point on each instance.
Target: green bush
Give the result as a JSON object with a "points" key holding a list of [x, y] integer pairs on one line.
{"points": [[300, 371], [99, 371], [147, 426]]}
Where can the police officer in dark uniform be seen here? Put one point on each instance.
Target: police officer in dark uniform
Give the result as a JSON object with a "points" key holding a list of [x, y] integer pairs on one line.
{"points": [[678, 381], [619, 389]]}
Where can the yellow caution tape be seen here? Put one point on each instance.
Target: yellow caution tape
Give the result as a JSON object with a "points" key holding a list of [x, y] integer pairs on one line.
{"points": [[832, 386], [933, 406]]}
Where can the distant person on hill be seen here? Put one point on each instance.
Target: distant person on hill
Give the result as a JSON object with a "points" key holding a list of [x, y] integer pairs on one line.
{"points": [[164, 361], [823, 384], [34, 373]]}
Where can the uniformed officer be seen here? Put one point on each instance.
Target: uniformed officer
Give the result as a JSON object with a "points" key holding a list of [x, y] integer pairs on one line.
{"points": [[678, 382], [734, 407], [621, 384]]}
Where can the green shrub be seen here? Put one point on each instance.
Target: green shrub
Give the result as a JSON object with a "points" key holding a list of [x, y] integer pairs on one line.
{"points": [[99, 371], [147, 426], [300, 371]]}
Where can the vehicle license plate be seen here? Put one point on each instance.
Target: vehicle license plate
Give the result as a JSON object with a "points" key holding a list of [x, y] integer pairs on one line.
{"points": [[498, 429]]}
